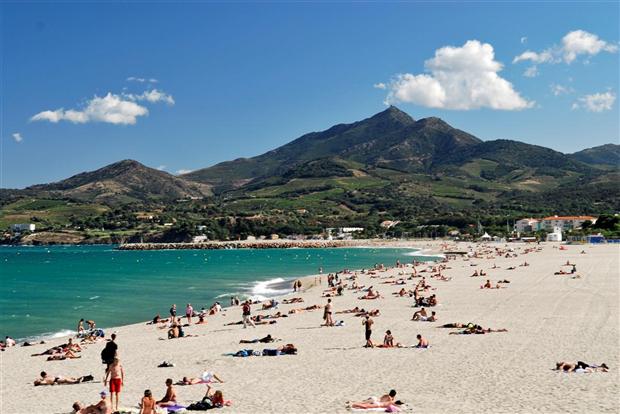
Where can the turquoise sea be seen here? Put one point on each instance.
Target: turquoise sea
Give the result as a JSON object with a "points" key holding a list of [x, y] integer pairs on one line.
{"points": [[44, 291]]}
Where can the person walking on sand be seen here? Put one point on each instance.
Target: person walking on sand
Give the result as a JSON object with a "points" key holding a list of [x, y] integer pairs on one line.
{"points": [[189, 311], [327, 315], [367, 322], [116, 376], [247, 312]]}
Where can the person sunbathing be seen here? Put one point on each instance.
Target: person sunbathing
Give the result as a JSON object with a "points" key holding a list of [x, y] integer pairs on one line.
{"points": [[371, 294], [354, 310], [46, 379], [266, 339], [373, 312], [419, 315], [457, 325], [293, 300], [276, 315], [216, 398], [422, 342], [270, 304], [207, 378], [477, 330], [309, 308], [102, 407], [388, 341], [384, 402], [61, 356], [488, 285], [171, 395], [561, 272], [581, 367]]}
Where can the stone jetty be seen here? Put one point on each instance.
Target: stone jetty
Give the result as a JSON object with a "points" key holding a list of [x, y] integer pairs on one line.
{"points": [[243, 244]]}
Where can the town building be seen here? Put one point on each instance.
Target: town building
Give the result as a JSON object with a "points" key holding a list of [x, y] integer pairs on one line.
{"points": [[527, 225], [565, 222], [18, 228]]}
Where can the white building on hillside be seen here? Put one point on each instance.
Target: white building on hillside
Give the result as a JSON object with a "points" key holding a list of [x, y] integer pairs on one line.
{"points": [[527, 225], [18, 228], [565, 222]]}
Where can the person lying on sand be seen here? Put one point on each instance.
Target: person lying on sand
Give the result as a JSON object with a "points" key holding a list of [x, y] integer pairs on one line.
{"points": [[207, 378], [373, 312], [266, 339], [46, 379], [171, 395], [459, 325], [374, 402], [354, 310], [276, 315], [271, 303], [477, 330], [308, 308], [581, 367], [293, 300], [102, 407], [430, 301], [61, 356]]}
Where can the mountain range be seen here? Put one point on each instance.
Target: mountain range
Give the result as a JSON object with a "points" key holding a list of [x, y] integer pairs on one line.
{"points": [[387, 163]]}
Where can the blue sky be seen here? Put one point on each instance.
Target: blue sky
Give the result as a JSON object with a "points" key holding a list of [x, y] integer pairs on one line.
{"points": [[239, 79]]}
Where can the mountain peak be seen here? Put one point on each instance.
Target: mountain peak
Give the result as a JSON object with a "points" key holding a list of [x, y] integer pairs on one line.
{"points": [[392, 114]]}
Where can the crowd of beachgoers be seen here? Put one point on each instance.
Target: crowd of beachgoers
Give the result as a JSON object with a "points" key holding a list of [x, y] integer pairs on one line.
{"points": [[419, 284]]}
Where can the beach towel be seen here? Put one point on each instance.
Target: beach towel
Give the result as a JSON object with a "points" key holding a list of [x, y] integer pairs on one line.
{"points": [[176, 408]]}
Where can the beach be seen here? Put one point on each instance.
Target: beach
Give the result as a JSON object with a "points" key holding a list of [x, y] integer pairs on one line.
{"points": [[549, 318]]}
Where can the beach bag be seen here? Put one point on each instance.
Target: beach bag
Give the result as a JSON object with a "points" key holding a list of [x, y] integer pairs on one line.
{"points": [[270, 352]]}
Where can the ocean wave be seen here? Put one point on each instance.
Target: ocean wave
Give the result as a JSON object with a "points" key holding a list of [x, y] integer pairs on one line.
{"points": [[94, 297], [272, 287], [48, 336]]}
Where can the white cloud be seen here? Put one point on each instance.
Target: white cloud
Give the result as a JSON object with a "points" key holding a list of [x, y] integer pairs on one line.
{"points": [[543, 57], [531, 72], [161, 167], [460, 78], [524, 40], [111, 109], [379, 85], [597, 102], [152, 96], [183, 171], [580, 42], [17, 137], [141, 80], [558, 90], [574, 44]]}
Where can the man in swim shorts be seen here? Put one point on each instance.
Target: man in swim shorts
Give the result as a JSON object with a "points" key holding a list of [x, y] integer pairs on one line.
{"points": [[116, 376]]}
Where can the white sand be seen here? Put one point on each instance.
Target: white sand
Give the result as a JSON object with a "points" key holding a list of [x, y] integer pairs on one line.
{"points": [[550, 318]]}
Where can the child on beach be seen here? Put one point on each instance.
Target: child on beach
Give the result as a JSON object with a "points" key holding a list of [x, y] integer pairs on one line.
{"points": [[116, 374]]}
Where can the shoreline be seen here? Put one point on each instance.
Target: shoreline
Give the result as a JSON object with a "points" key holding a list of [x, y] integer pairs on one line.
{"points": [[67, 333]]}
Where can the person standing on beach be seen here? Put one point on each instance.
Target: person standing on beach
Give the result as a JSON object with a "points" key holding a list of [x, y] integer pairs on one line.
{"points": [[247, 312], [367, 322], [109, 352], [189, 311], [80, 327], [327, 316], [173, 312], [116, 375]]}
